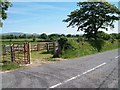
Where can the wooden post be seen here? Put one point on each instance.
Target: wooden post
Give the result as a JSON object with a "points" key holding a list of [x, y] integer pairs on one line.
{"points": [[12, 53], [29, 53], [54, 47], [25, 52], [38, 47], [4, 50], [47, 47]]}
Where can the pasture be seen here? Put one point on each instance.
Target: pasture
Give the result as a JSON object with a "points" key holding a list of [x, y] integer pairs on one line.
{"points": [[42, 52]]}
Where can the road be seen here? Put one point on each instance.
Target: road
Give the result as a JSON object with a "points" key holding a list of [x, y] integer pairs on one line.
{"points": [[94, 71]]}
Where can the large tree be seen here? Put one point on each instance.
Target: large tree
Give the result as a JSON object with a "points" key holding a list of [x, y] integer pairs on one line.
{"points": [[92, 16], [4, 5]]}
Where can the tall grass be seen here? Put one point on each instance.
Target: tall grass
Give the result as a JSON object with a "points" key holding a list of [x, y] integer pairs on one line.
{"points": [[85, 48]]}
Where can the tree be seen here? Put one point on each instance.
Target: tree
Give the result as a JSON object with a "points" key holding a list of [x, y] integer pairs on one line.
{"points": [[77, 35], [92, 16], [62, 35], [11, 36], [69, 35], [54, 37], [43, 36], [4, 5]]}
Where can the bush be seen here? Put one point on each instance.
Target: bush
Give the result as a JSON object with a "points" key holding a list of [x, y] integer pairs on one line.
{"points": [[34, 39], [64, 44]]}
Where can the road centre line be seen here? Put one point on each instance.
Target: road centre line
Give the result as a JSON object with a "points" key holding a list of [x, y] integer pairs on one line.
{"points": [[117, 56], [54, 86]]}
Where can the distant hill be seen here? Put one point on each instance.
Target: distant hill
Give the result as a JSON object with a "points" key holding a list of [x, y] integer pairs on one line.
{"points": [[19, 33], [13, 33], [35, 34]]}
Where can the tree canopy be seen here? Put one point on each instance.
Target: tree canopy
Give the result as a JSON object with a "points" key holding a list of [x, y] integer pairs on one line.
{"points": [[43, 36], [92, 16], [4, 5]]}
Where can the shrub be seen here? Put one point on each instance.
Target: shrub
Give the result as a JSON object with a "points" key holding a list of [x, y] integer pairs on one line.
{"points": [[34, 39], [64, 44]]}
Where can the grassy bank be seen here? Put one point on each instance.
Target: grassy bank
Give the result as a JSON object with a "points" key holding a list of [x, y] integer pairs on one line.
{"points": [[88, 48]]}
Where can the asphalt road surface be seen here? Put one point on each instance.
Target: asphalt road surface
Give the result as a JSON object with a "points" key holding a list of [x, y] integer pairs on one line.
{"points": [[94, 71]]}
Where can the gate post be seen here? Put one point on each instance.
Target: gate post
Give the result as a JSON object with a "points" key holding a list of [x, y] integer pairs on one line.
{"points": [[54, 47], [47, 47], [4, 49], [12, 53], [38, 47], [29, 52]]}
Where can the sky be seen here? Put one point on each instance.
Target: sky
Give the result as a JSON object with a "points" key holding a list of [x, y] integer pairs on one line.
{"points": [[42, 17]]}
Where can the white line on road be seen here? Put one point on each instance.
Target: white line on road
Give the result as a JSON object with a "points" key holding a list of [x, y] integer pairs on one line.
{"points": [[117, 56], [54, 86]]}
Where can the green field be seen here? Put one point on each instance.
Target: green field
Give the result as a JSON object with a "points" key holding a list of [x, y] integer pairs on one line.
{"points": [[80, 49], [20, 41]]}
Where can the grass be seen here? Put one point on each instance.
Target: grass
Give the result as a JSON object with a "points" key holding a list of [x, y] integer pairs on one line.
{"points": [[35, 56], [9, 66], [39, 56], [85, 48], [42, 56], [20, 41], [81, 49]]}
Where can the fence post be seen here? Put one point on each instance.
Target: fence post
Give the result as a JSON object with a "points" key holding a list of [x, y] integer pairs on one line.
{"points": [[12, 53], [29, 52], [47, 47], [4, 50], [38, 47], [54, 47]]}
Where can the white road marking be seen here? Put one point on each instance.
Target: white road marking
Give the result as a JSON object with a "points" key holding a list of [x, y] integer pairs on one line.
{"points": [[117, 57], [54, 86]]}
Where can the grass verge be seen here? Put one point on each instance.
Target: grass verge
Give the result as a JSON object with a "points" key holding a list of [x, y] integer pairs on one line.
{"points": [[9, 66], [85, 48]]}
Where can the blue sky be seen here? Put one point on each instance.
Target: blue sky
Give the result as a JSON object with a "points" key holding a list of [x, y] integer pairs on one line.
{"points": [[41, 17]]}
